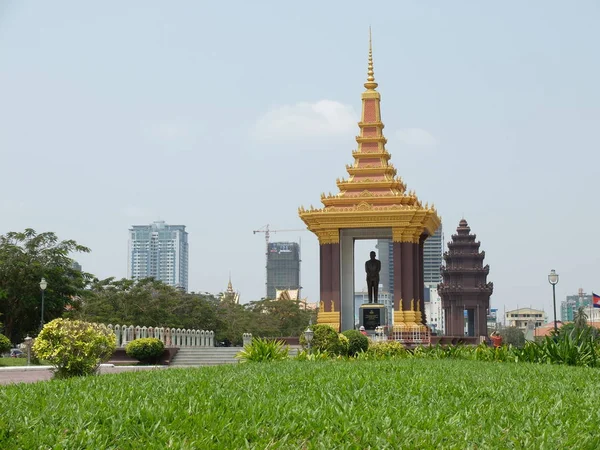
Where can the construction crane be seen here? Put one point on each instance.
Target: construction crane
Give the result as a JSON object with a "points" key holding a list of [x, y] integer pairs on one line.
{"points": [[265, 229]]}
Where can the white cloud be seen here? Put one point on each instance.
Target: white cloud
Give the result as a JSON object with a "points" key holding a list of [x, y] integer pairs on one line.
{"points": [[322, 118], [417, 137]]}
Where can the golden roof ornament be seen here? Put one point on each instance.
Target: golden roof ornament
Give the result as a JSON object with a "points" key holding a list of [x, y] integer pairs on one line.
{"points": [[370, 84]]}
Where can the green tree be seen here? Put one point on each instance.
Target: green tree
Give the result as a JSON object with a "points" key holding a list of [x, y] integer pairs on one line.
{"points": [[278, 318], [513, 336], [580, 318], [25, 258], [146, 302]]}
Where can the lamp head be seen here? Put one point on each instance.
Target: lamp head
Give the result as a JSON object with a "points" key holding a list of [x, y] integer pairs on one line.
{"points": [[43, 284], [553, 277]]}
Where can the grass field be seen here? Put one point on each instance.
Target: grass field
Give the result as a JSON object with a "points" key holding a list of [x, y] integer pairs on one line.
{"points": [[408, 403], [12, 362]]}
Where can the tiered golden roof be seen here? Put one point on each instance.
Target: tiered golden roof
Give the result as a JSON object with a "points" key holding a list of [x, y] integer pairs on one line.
{"points": [[372, 196]]}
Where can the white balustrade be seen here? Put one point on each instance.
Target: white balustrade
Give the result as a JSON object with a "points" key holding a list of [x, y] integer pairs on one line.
{"points": [[171, 337]]}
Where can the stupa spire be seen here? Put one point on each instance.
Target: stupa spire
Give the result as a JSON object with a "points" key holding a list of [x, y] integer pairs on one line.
{"points": [[370, 84]]}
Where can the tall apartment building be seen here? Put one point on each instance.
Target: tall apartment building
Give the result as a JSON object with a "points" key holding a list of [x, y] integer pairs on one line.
{"points": [[569, 307], [159, 251], [283, 267], [432, 262], [433, 249]]}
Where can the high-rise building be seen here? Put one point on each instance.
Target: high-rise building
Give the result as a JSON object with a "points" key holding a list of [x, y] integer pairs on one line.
{"points": [[433, 248], [159, 251], [569, 307], [76, 266], [283, 267], [432, 262]]}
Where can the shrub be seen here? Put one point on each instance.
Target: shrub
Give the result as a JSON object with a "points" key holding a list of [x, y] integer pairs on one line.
{"points": [[4, 344], [74, 347], [389, 349], [325, 339], [316, 355], [357, 342], [145, 349], [261, 350], [344, 345]]}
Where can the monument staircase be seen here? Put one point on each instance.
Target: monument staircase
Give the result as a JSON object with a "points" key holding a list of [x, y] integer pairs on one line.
{"points": [[205, 356]]}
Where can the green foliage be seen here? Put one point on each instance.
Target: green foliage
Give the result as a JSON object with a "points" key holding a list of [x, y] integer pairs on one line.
{"points": [[386, 349], [152, 303], [24, 259], [147, 350], [315, 355], [74, 347], [344, 345], [325, 339], [512, 336], [580, 318], [330, 404], [263, 350], [5, 344], [357, 342]]}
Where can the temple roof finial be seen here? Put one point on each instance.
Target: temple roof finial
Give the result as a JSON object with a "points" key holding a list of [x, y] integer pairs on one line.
{"points": [[370, 84]]}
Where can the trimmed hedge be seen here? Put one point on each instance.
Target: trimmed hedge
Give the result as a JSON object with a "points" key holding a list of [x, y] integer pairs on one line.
{"points": [[325, 339], [146, 350], [357, 342]]}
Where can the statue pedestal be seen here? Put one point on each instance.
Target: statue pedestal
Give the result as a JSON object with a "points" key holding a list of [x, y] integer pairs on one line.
{"points": [[372, 315]]}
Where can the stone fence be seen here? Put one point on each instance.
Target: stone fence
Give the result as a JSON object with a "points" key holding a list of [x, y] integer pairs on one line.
{"points": [[171, 337]]}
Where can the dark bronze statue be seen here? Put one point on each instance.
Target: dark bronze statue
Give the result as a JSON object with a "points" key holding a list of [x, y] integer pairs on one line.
{"points": [[373, 267]]}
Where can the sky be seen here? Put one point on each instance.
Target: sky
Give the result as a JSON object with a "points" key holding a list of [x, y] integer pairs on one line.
{"points": [[227, 116]]}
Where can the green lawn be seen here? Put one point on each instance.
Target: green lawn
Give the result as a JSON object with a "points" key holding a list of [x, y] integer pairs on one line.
{"points": [[407, 403], [11, 362]]}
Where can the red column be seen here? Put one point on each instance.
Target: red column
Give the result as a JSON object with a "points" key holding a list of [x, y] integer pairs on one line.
{"points": [[336, 292], [325, 275], [421, 278], [397, 250], [407, 274], [416, 275]]}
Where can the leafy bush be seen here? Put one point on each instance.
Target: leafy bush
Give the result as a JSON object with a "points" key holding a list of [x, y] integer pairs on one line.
{"points": [[316, 355], [4, 344], [325, 339], [357, 342], [344, 345], [261, 350], [387, 349], [145, 349], [74, 347]]}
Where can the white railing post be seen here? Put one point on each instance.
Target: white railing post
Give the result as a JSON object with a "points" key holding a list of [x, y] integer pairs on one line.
{"points": [[246, 339]]}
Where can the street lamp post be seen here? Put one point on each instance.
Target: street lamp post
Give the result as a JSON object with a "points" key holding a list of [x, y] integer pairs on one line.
{"points": [[308, 334], [43, 286], [28, 345], [553, 280]]}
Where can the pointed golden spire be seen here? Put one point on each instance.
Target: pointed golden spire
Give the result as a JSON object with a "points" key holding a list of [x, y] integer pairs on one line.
{"points": [[370, 84], [229, 285]]}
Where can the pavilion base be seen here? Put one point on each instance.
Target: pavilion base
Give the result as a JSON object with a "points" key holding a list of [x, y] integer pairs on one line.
{"points": [[372, 315]]}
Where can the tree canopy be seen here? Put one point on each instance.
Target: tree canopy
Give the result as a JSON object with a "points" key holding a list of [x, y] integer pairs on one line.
{"points": [[25, 258]]}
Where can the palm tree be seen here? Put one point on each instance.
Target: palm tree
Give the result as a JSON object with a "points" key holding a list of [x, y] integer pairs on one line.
{"points": [[580, 318]]}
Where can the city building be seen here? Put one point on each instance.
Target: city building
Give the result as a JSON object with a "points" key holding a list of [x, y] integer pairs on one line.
{"points": [[433, 249], [159, 251], [283, 267], [569, 307], [385, 254], [434, 313], [492, 319], [76, 266], [521, 317]]}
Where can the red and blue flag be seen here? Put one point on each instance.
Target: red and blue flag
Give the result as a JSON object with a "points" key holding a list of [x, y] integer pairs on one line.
{"points": [[596, 300]]}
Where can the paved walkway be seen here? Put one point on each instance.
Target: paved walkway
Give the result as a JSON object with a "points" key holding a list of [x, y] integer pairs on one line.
{"points": [[32, 374]]}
